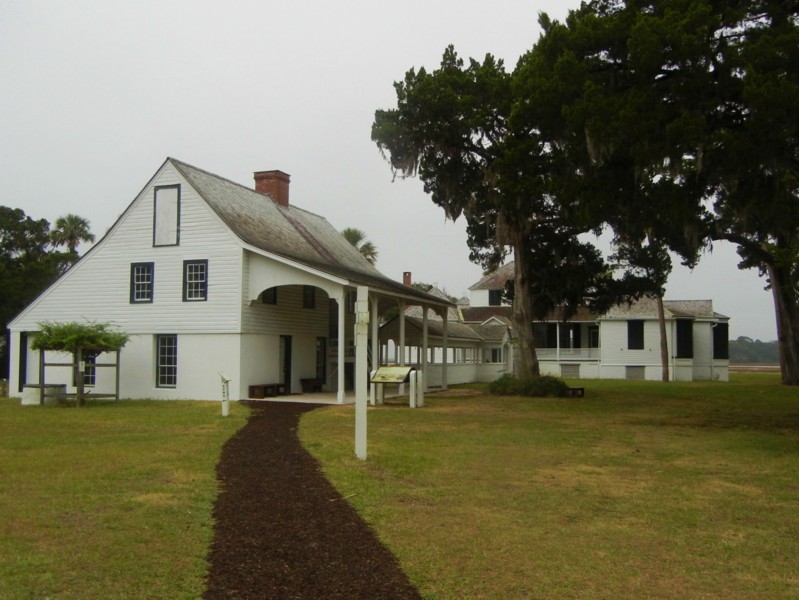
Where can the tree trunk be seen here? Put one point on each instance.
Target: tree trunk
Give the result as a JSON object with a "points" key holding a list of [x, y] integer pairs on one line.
{"points": [[664, 343], [527, 363], [787, 314]]}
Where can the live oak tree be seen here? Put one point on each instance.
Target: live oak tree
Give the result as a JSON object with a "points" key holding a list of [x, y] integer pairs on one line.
{"points": [[453, 128], [608, 113], [699, 99]]}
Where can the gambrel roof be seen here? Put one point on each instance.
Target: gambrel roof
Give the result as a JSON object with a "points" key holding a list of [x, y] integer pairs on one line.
{"points": [[290, 232]]}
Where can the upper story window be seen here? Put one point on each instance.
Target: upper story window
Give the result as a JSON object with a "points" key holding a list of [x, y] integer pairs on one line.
{"points": [[635, 334], [195, 280], [308, 296], [141, 282], [166, 216], [269, 296], [494, 297]]}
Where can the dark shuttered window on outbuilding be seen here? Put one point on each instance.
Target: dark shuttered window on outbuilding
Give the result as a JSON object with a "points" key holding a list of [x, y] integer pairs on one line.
{"points": [[635, 334], [685, 338], [721, 341]]}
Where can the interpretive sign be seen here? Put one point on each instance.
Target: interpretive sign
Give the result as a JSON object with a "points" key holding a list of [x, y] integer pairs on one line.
{"points": [[393, 374]]}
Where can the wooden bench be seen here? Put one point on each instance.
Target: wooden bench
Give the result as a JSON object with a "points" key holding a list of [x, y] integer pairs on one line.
{"points": [[310, 385], [262, 390], [577, 391]]}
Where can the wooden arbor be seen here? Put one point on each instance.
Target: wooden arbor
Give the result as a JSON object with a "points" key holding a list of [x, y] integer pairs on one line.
{"points": [[82, 340]]}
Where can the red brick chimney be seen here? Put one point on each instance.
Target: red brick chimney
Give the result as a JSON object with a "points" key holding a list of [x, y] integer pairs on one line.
{"points": [[406, 278], [273, 183]]}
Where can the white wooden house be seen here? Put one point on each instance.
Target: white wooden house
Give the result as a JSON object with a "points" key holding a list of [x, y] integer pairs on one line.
{"points": [[623, 343], [209, 277]]}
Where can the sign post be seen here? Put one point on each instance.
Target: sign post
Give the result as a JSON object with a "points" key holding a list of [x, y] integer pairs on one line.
{"points": [[225, 394]]}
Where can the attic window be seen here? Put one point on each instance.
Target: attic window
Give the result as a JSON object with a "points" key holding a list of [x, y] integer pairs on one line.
{"points": [[494, 297], [166, 216]]}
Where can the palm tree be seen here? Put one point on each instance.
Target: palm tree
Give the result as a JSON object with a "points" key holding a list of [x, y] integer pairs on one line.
{"points": [[70, 230], [357, 238]]}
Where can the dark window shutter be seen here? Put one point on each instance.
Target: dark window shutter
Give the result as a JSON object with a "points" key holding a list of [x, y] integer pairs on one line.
{"points": [[685, 338], [635, 334], [721, 341]]}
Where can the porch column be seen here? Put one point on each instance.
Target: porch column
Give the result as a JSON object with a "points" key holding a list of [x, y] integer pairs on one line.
{"points": [[375, 349], [445, 351], [361, 369], [402, 334], [557, 341], [401, 305], [424, 348], [341, 354]]}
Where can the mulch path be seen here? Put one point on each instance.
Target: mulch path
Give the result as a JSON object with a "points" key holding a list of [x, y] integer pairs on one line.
{"points": [[282, 530]]}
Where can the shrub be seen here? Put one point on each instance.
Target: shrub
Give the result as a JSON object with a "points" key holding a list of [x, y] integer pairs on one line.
{"points": [[545, 385], [3, 388]]}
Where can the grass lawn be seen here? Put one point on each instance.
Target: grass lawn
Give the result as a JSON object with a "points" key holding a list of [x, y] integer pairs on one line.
{"points": [[109, 501], [638, 490]]}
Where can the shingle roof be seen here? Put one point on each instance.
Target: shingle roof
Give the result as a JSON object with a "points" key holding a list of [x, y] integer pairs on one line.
{"points": [[290, 232], [647, 308], [495, 280], [479, 314]]}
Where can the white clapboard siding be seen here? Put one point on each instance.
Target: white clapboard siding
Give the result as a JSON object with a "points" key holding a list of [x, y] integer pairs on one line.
{"points": [[288, 316], [98, 287], [614, 344]]}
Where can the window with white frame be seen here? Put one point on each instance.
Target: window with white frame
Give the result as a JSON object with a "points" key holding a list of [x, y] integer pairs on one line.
{"points": [[195, 280], [141, 282], [166, 360], [90, 369]]}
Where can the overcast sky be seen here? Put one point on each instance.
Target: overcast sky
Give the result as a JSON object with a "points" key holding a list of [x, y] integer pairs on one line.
{"points": [[97, 93]]}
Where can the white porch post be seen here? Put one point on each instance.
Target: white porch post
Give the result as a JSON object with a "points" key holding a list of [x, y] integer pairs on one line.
{"points": [[341, 354], [402, 349], [445, 352], [375, 349], [402, 334], [424, 347], [361, 368], [557, 341]]}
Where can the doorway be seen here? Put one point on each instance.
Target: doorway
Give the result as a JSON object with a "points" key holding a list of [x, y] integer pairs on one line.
{"points": [[285, 361]]}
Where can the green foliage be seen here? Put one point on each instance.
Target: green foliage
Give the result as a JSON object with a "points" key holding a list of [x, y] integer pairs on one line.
{"points": [[90, 337], [747, 350], [70, 230], [357, 238], [542, 386], [29, 262]]}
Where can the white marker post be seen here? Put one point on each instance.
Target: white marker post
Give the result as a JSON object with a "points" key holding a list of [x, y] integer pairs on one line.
{"points": [[225, 394], [361, 368]]}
